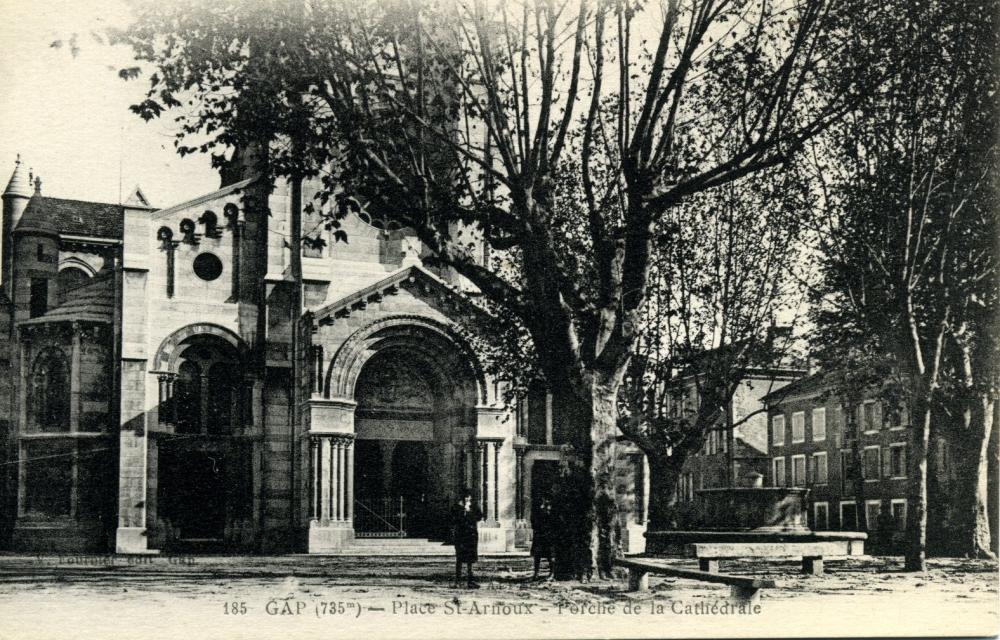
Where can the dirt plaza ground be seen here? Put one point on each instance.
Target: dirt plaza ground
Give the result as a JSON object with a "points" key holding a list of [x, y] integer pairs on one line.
{"points": [[248, 597]]}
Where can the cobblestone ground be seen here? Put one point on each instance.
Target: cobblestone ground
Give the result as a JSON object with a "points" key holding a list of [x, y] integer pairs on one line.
{"points": [[240, 597]]}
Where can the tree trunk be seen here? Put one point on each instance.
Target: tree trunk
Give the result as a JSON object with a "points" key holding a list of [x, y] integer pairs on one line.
{"points": [[664, 475], [971, 494], [916, 516], [993, 487], [584, 502]]}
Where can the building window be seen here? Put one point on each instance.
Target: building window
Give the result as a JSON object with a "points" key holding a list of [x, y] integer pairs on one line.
{"points": [[871, 463], [869, 416], [38, 297], [819, 424], [799, 426], [50, 391], [798, 471], [848, 515], [893, 413], [69, 279], [819, 468], [897, 460], [779, 471], [898, 507], [778, 430], [821, 516], [873, 509], [847, 471]]}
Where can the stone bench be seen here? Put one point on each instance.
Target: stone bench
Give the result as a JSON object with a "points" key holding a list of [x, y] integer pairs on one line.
{"points": [[812, 553], [744, 588]]}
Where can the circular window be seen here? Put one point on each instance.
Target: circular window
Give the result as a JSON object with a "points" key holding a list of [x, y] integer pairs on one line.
{"points": [[207, 267]]}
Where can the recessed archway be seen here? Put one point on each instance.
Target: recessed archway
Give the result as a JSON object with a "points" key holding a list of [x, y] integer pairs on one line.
{"points": [[414, 423]]}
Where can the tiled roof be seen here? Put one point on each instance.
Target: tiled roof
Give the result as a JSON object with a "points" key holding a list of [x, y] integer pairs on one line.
{"points": [[93, 301], [803, 386], [74, 217]]}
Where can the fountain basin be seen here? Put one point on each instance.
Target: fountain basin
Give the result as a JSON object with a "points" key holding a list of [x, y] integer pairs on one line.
{"points": [[763, 509]]}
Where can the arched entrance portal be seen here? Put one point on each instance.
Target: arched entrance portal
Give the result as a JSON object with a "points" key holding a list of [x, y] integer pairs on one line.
{"points": [[204, 497], [412, 426]]}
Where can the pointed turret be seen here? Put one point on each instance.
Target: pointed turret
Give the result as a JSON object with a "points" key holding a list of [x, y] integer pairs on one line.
{"points": [[20, 182], [15, 199]]}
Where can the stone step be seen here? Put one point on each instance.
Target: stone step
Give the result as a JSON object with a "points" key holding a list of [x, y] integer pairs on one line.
{"points": [[381, 542], [396, 547]]}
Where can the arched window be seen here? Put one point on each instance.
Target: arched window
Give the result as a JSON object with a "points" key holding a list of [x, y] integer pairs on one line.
{"points": [[187, 395], [209, 396], [50, 390], [70, 278]]}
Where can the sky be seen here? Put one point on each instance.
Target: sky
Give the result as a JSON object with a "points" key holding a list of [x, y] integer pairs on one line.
{"points": [[68, 117]]}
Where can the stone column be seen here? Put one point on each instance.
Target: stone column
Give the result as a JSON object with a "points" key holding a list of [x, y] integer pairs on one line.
{"points": [[325, 475], [349, 479], [165, 411], [489, 454], [481, 488], [341, 480], [496, 481], [205, 390], [74, 382], [519, 506], [314, 473]]}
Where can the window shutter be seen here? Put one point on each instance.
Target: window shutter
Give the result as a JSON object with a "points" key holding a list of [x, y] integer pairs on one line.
{"points": [[886, 462]]}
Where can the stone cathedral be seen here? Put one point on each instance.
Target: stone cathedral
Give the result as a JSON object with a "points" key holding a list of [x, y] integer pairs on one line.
{"points": [[149, 402]]}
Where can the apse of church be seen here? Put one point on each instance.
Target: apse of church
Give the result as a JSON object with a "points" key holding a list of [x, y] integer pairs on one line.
{"points": [[153, 352]]}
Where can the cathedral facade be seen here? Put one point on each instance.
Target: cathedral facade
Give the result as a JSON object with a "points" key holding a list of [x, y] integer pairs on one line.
{"points": [[166, 388]]}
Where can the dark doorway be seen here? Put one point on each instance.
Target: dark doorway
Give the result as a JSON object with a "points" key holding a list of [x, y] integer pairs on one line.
{"points": [[409, 482], [368, 471], [543, 480], [192, 494]]}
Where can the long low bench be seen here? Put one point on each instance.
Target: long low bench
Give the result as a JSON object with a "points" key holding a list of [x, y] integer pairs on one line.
{"points": [[744, 588], [812, 553]]}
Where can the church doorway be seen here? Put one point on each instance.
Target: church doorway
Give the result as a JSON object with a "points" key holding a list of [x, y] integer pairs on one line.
{"points": [[203, 456], [194, 499], [411, 422]]}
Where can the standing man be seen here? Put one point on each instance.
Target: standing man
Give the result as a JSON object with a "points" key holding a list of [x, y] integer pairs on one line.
{"points": [[465, 524], [541, 536]]}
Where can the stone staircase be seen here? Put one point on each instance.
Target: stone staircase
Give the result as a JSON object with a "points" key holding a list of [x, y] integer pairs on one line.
{"points": [[396, 547]]}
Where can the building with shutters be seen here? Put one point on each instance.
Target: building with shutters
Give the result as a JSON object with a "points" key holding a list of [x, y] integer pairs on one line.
{"points": [[856, 469]]}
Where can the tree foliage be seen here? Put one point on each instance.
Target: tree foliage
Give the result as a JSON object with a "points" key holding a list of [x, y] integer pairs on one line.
{"points": [[471, 121], [909, 255]]}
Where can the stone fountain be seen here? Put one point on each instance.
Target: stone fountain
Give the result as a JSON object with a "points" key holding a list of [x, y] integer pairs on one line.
{"points": [[756, 516]]}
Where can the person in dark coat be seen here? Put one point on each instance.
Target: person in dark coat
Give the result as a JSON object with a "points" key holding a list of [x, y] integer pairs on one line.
{"points": [[465, 532], [542, 535]]}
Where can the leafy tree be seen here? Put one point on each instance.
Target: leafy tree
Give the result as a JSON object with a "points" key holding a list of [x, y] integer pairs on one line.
{"points": [[722, 274], [909, 267], [456, 119]]}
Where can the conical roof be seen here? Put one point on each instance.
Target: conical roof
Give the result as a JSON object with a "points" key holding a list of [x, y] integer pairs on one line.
{"points": [[20, 182]]}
